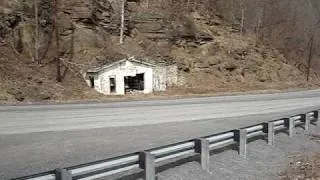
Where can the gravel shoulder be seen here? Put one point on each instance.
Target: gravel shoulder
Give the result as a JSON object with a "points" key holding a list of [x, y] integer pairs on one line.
{"points": [[263, 162]]}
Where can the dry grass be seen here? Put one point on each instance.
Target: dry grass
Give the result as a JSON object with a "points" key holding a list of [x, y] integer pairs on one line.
{"points": [[229, 63]]}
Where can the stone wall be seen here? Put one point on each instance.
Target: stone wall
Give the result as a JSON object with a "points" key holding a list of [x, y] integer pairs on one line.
{"points": [[172, 75], [165, 76], [159, 78]]}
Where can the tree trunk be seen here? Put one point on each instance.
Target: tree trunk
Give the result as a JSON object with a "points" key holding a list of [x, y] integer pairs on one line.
{"points": [[122, 22], [36, 39], [56, 29], [310, 57], [242, 17], [259, 25], [188, 4]]}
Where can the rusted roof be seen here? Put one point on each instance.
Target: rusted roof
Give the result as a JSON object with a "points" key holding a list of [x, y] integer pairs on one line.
{"points": [[106, 66]]}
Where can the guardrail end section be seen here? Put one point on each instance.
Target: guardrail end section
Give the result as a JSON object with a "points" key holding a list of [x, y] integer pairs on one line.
{"points": [[147, 163], [63, 174], [202, 147], [241, 137]]}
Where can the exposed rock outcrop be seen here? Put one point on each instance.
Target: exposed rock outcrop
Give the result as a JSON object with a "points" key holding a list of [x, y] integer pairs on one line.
{"points": [[210, 53]]}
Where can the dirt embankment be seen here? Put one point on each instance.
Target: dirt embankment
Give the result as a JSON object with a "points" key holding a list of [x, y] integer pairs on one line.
{"points": [[212, 55]]}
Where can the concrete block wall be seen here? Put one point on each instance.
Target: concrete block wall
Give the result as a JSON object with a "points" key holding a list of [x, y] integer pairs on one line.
{"points": [[156, 77], [172, 75], [159, 78]]}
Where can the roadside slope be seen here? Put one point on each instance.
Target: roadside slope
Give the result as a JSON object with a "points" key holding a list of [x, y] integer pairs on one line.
{"points": [[211, 53]]}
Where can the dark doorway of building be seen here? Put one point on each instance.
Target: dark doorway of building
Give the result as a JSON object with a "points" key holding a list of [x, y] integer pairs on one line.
{"points": [[112, 85], [134, 83], [91, 78]]}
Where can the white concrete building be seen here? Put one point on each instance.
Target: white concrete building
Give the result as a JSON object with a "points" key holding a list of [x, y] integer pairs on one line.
{"points": [[130, 75]]}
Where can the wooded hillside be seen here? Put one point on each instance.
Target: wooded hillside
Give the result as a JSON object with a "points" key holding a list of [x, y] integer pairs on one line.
{"points": [[218, 45]]}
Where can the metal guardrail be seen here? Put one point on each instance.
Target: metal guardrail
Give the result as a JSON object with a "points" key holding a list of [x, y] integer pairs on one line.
{"points": [[147, 160]]}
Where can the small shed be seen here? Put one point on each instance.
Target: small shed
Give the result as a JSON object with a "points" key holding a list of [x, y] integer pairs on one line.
{"points": [[131, 76]]}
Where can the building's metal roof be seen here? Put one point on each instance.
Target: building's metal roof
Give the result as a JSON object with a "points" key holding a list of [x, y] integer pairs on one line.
{"points": [[106, 66]]}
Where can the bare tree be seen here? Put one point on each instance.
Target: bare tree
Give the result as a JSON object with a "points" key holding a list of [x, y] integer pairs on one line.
{"points": [[56, 29], [259, 24], [310, 57], [195, 5], [314, 29], [36, 39], [188, 4], [242, 17], [122, 21]]}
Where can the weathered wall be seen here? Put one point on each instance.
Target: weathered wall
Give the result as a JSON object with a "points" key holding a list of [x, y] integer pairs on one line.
{"points": [[165, 76], [119, 71], [159, 78], [172, 75]]}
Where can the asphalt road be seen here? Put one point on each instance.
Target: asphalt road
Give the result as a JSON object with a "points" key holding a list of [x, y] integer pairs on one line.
{"points": [[43, 137]]}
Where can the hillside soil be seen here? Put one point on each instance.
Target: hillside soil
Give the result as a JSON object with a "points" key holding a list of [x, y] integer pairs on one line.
{"points": [[211, 54]]}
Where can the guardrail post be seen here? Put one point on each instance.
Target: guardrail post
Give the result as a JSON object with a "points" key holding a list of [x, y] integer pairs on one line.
{"points": [[290, 123], [241, 137], [269, 128], [202, 147], [63, 174], [307, 122], [147, 163]]}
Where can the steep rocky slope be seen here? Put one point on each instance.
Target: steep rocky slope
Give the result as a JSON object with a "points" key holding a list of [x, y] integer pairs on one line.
{"points": [[212, 55]]}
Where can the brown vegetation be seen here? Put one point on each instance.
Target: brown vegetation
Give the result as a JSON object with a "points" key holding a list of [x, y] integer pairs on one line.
{"points": [[290, 26], [218, 46]]}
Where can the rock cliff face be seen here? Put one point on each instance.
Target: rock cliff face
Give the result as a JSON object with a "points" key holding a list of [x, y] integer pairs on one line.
{"points": [[95, 13], [210, 52]]}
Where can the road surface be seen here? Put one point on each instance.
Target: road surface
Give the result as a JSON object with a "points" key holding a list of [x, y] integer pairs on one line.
{"points": [[43, 137]]}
